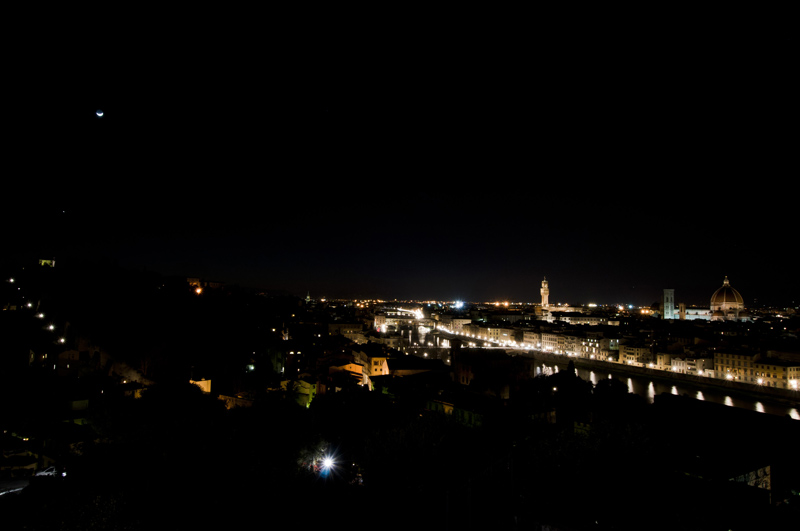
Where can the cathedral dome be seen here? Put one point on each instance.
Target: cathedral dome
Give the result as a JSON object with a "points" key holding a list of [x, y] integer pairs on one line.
{"points": [[726, 298]]}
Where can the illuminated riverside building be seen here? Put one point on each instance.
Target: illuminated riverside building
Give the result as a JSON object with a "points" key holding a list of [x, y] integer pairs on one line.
{"points": [[752, 367], [391, 319], [735, 365], [554, 342], [634, 354], [597, 347], [455, 324], [380, 322], [777, 373], [695, 366], [489, 332], [577, 318], [532, 339]]}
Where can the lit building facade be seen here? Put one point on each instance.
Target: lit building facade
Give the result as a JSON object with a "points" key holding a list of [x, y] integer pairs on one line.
{"points": [[752, 367], [634, 354], [726, 304]]}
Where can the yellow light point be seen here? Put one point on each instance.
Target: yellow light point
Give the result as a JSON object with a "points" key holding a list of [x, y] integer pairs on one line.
{"points": [[198, 290]]}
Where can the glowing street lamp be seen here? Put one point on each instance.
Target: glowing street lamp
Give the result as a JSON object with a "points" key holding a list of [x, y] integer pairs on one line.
{"points": [[326, 466]]}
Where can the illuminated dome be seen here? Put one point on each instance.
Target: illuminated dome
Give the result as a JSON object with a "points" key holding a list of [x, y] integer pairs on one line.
{"points": [[726, 298], [726, 302]]}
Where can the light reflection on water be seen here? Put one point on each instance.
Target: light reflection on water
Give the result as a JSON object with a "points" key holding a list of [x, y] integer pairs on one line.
{"points": [[649, 389]]}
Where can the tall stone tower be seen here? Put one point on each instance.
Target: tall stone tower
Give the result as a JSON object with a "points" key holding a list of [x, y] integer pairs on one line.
{"points": [[545, 291], [669, 304]]}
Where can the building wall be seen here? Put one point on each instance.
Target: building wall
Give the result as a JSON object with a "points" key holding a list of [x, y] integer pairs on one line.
{"points": [[532, 339], [736, 365], [634, 354], [205, 385]]}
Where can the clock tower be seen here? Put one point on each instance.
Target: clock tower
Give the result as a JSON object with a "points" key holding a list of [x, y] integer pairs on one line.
{"points": [[545, 291]]}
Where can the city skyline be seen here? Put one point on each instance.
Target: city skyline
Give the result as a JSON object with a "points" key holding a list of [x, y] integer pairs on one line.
{"points": [[424, 170], [383, 160]]}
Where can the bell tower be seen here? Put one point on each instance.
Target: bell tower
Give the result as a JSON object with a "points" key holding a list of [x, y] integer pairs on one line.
{"points": [[669, 304], [545, 291]]}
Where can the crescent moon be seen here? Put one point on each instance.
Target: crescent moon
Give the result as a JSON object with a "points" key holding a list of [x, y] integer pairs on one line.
{"points": [[99, 114]]}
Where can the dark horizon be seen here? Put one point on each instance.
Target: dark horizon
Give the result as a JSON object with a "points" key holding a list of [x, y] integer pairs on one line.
{"points": [[614, 164]]}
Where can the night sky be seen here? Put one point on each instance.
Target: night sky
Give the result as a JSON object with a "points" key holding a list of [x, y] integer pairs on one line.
{"points": [[444, 158]]}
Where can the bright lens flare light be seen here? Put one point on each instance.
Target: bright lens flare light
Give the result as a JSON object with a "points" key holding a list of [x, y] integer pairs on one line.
{"points": [[327, 463]]}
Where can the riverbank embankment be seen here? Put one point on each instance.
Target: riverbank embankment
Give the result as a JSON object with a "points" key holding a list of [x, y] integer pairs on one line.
{"points": [[749, 390]]}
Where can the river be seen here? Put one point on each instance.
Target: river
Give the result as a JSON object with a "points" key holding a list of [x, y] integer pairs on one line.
{"points": [[649, 389]]}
